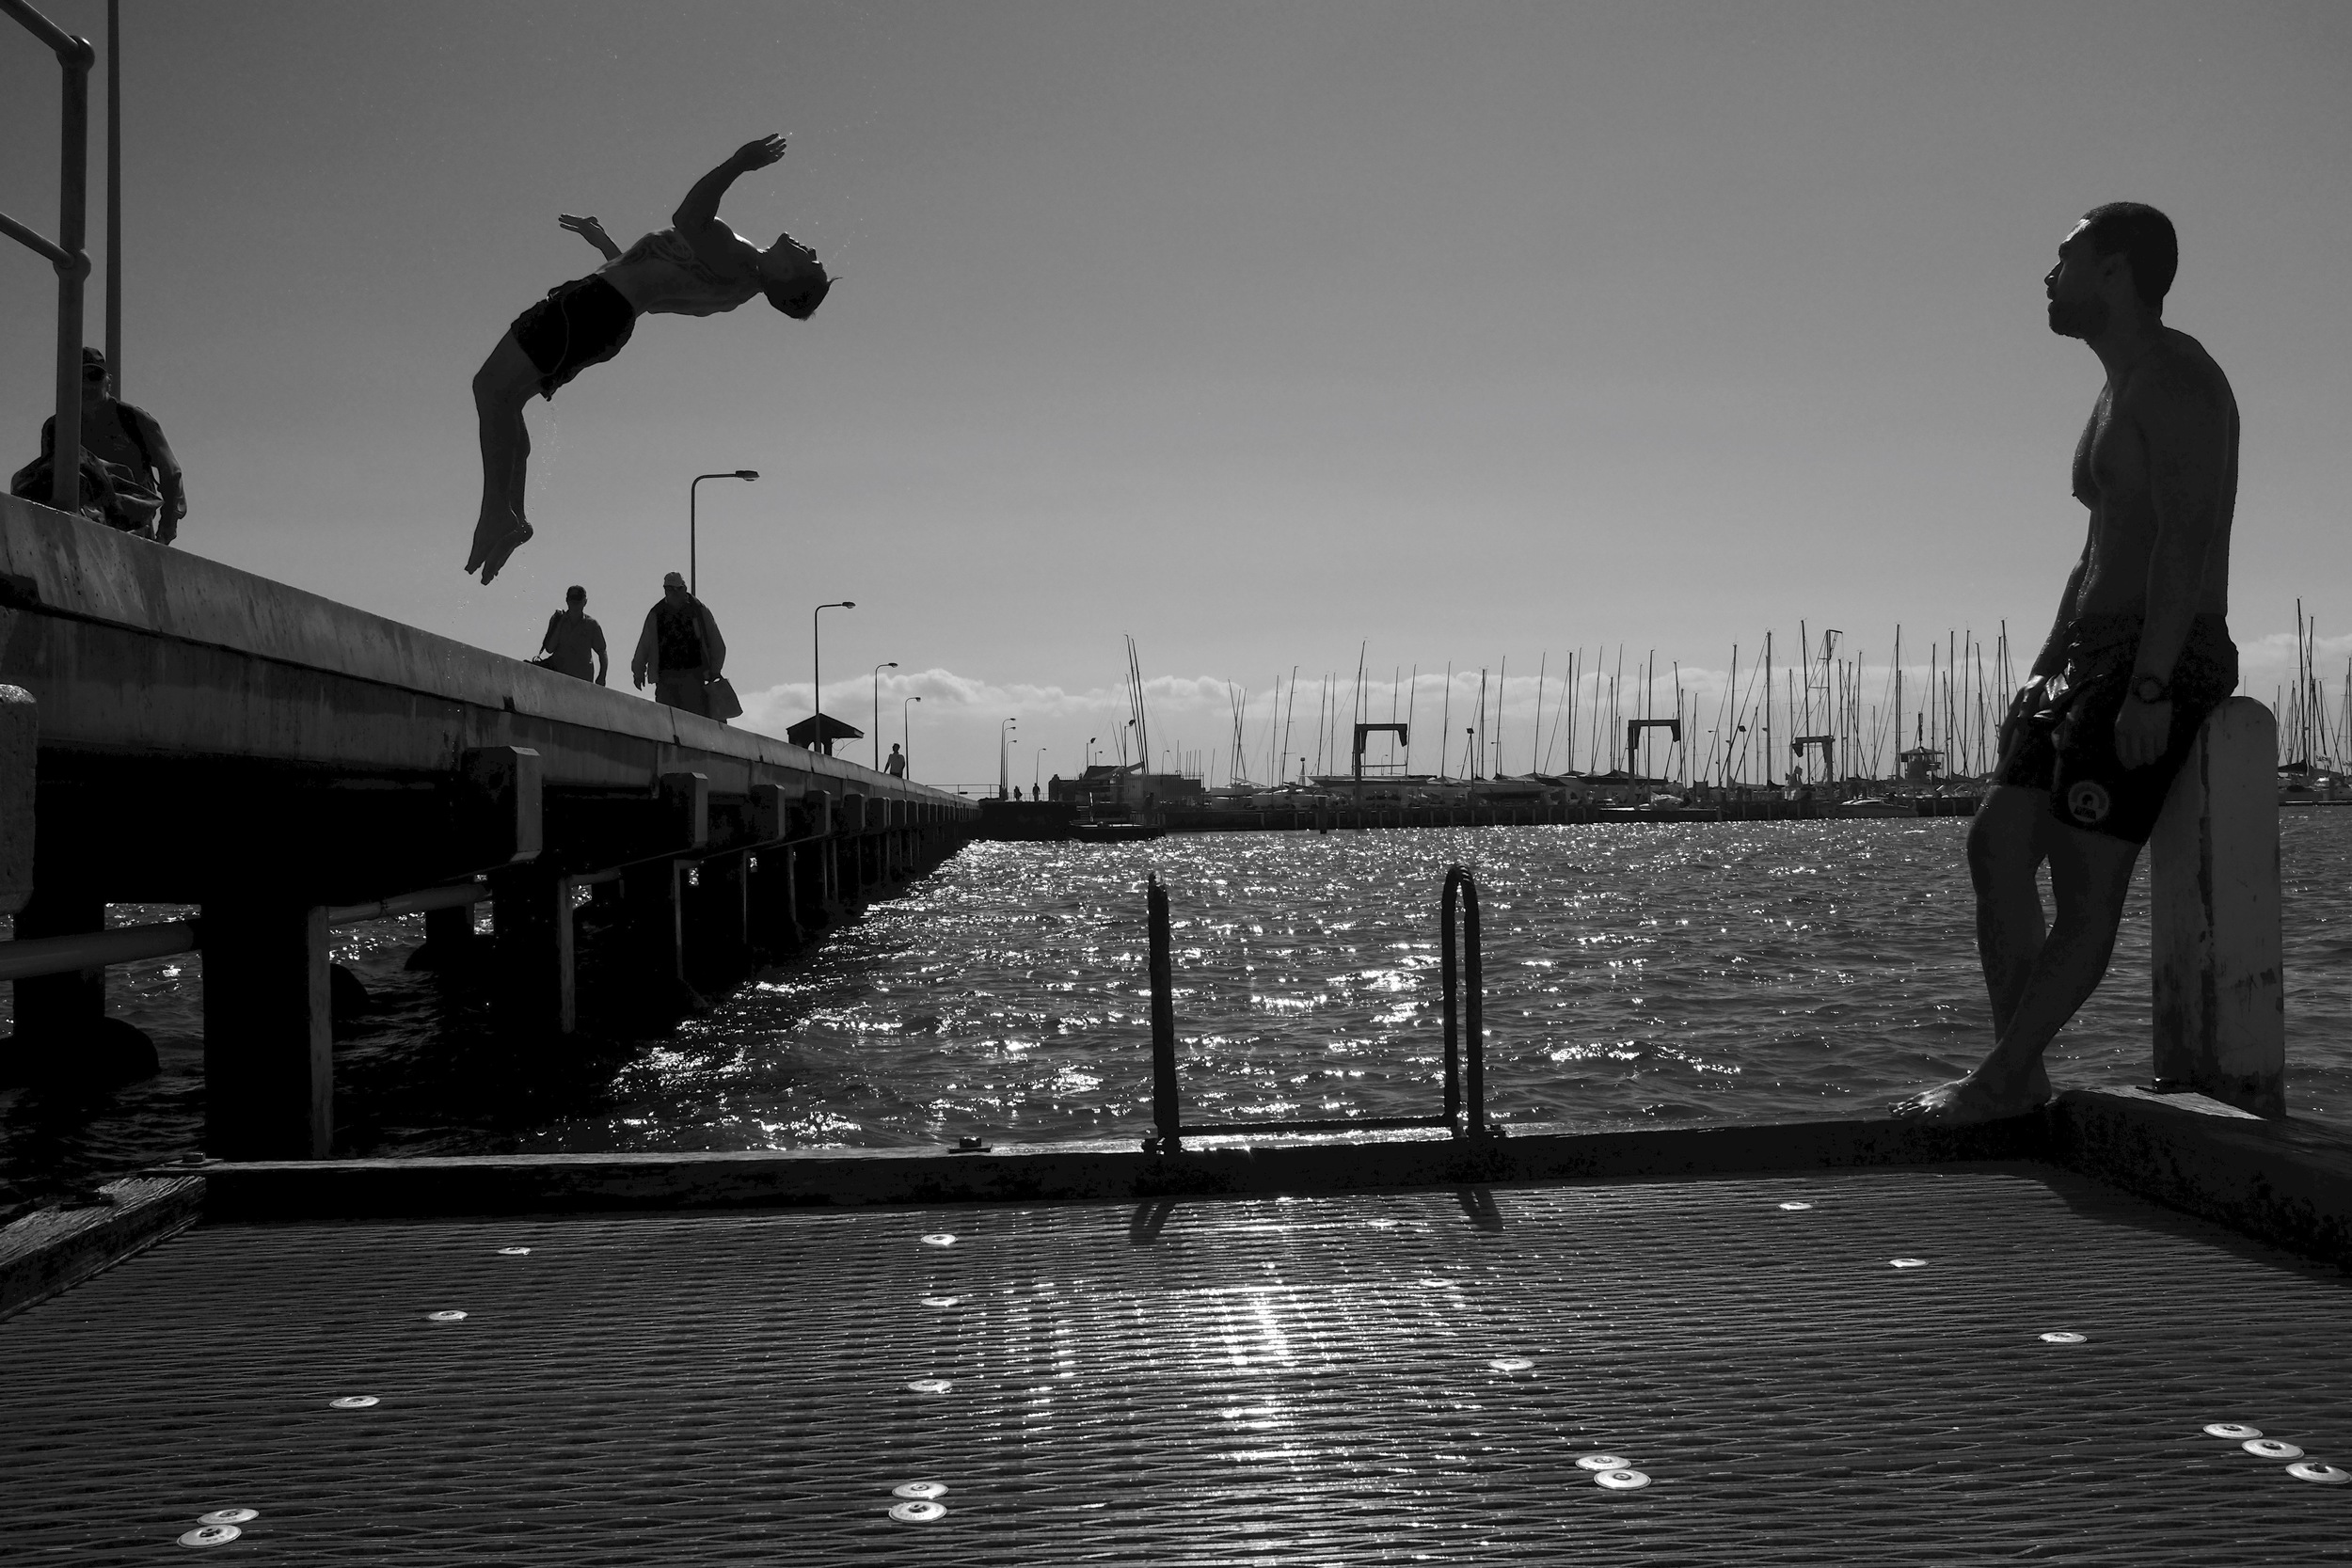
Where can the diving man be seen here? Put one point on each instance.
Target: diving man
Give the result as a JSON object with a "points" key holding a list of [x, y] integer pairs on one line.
{"points": [[698, 267]]}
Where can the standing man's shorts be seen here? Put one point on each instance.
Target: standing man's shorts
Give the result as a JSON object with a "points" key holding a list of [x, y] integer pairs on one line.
{"points": [[580, 324], [2068, 746], [682, 688]]}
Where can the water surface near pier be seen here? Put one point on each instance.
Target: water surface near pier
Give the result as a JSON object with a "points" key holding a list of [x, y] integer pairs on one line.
{"points": [[1635, 974]]}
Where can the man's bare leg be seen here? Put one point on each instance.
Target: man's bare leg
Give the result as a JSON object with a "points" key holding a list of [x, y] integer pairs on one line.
{"points": [[2089, 875], [2006, 849], [502, 388]]}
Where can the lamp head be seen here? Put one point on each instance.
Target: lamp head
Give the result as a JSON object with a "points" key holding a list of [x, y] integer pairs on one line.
{"points": [[747, 473]]}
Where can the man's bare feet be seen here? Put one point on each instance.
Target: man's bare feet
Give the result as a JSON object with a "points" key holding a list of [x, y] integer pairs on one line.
{"points": [[1978, 1098], [488, 532], [495, 562]]}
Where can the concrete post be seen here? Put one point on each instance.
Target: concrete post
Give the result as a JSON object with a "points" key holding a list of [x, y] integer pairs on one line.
{"points": [[269, 1045], [449, 933], [532, 906], [722, 915], [19, 750], [2219, 971]]}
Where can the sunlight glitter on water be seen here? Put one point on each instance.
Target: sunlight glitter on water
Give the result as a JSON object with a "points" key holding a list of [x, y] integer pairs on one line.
{"points": [[1635, 974]]}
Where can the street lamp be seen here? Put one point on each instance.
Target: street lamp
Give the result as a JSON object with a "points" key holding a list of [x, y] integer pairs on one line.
{"points": [[817, 673], [1003, 762], [886, 664], [906, 736], [1037, 772], [692, 496]]}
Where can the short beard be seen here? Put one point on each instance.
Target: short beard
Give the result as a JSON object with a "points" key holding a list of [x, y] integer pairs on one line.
{"points": [[2085, 319]]}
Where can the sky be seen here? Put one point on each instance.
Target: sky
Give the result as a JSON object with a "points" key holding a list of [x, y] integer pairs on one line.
{"points": [[1275, 335]]}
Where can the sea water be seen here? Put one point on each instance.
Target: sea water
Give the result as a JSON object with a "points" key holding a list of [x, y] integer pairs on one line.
{"points": [[1636, 975]]}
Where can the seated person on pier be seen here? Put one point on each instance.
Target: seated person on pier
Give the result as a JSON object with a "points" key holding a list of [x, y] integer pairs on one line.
{"points": [[2140, 656], [143, 492], [701, 267]]}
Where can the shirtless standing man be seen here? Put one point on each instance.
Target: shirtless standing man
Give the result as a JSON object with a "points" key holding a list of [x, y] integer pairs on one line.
{"points": [[699, 267], [2140, 656]]}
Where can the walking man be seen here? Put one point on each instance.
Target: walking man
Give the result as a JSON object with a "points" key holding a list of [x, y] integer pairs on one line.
{"points": [[896, 764], [679, 650], [698, 267], [572, 636], [2139, 654]]}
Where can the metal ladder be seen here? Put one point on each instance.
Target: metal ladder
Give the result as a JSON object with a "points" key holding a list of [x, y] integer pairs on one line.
{"points": [[1465, 1112]]}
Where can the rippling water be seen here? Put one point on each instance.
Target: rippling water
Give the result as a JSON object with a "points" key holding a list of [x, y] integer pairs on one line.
{"points": [[1635, 973]]}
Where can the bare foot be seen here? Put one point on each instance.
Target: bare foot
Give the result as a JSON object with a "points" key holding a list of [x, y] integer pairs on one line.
{"points": [[1977, 1098], [487, 533], [495, 561]]}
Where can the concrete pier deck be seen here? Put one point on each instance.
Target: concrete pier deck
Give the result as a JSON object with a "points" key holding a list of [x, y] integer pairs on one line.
{"points": [[1842, 1360]]}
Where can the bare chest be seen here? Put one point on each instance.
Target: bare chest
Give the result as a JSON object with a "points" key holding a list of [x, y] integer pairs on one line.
{"points": [[2110, 464]]}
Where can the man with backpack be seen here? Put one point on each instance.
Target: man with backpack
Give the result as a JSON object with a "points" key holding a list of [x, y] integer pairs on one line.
{"points": [[681, 650], [573, 635]]}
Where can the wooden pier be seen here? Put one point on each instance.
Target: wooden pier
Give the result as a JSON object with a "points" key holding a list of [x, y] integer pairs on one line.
{"points": [[177, 731]]}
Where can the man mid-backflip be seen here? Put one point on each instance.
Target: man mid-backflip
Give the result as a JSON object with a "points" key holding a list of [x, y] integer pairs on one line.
{"points": [[2140, 656], [699, 267]]}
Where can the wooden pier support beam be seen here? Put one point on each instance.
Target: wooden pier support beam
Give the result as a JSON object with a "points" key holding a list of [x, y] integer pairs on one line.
{"points": [[2215, 955], [719, 919], [536, 991], [269, 1046]]}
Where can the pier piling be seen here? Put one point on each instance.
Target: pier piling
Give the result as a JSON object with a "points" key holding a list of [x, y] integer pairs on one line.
{"points": [[2215, 956], [269, 1043]]}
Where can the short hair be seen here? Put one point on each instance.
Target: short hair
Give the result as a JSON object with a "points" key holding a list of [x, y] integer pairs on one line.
{"points": [[2148, 246], [575, 592], [784, 297]]}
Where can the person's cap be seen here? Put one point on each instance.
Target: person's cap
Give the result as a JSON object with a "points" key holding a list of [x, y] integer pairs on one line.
{"points": [[93, 356], [672, 579]]}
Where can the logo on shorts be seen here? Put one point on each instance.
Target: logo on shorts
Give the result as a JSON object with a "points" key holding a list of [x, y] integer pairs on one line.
{"points": [[2086, 803]]}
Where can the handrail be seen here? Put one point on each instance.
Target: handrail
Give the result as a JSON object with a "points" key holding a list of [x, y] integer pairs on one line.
{"points": [[30, 957], [1169, 1130], [75, 59]]}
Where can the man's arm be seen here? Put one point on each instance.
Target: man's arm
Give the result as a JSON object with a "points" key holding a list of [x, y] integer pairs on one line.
{"points": [[546, 644], [714, 646], [596, 645], [698, 217], [167, 465], [2184, 425], [644, 660], [2051, 660], [592, 232]]}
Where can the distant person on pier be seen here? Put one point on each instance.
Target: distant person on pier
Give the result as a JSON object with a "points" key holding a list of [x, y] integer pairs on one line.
{"points": [[143, 494], [698, 267], [2139, 654], [681, 650], [574, 639], [896, 764]]}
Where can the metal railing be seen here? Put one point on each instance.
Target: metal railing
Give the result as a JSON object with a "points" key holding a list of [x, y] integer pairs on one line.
{"points": [[1464, 1105], [75, 57]]}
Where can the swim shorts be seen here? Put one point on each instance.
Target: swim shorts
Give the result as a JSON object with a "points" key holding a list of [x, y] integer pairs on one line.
{"points": [[2066, 744], [580, 324]]}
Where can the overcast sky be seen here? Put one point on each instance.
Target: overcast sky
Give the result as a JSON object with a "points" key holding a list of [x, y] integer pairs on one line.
{"points": [[1260, 332]]}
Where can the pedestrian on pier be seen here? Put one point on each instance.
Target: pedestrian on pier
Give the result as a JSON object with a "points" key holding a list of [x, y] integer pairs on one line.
{"points": [[681, 650], [698, 267], [896, 764], [2139, 654], [573, 635]]}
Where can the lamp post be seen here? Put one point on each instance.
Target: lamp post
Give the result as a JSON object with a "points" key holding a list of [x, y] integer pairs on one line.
{"points": [[692, 495], [886, 664], [1037, 772], [906, 735], [816, 672], [1003, 762]]}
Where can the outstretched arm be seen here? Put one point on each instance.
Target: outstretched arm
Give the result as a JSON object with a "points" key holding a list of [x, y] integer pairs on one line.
{"points": [[592, 232], [698, 217]]}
